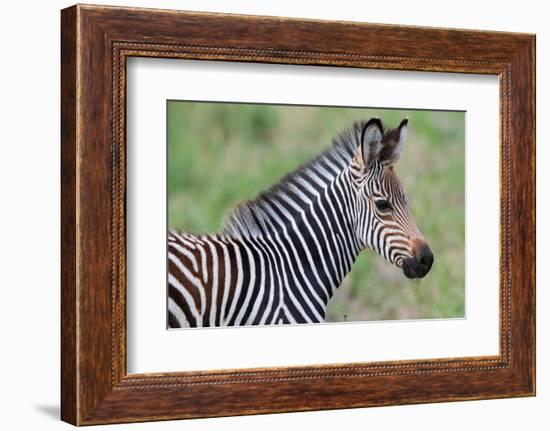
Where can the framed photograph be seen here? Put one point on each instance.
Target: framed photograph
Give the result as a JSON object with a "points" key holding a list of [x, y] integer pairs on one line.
{"points": [[264, 214]]}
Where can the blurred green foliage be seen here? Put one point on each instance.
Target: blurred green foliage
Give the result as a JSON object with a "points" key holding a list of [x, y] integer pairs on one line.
{"points": [[221, 153]]}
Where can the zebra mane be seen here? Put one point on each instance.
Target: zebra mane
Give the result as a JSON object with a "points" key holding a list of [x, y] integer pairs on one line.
{"points": [[249, 219]]}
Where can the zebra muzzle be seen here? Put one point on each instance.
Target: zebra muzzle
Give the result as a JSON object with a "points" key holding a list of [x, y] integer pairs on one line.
{"points": [[420, 264]]}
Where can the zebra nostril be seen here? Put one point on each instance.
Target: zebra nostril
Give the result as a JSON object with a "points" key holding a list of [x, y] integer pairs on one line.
{"points": [[425, 257]]}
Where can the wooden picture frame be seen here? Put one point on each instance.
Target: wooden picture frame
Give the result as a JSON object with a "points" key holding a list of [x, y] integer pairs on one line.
{"points": [[96, 41]]}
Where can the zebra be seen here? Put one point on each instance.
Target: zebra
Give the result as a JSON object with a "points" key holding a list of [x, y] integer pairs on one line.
{"points": [[281, 255]]}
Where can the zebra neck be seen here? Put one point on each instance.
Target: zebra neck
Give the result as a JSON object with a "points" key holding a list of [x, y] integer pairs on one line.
{"points": [[315, 242], [330, 224]]}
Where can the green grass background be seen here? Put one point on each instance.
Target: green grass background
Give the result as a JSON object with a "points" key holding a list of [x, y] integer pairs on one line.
{"points": [[221, 153]]}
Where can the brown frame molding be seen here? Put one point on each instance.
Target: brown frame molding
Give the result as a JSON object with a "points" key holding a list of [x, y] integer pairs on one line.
{"points": [[95, 43]]}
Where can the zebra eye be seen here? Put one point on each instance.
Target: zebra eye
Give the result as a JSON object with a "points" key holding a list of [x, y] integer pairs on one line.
{"points": [[382, 205]]}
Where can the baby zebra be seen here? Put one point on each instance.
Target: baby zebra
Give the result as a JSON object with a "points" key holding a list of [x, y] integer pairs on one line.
{"points": [[281, 255]]}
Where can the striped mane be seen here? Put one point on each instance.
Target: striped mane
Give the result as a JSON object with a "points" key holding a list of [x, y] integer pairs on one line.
{"points": [[250, 219]]}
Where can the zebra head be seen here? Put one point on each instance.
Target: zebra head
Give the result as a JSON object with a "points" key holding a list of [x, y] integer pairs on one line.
{"points": [[384, 222]]}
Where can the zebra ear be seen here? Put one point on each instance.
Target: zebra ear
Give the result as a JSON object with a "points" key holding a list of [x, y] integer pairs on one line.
{"points": [[371, 138], [393, 144]]}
